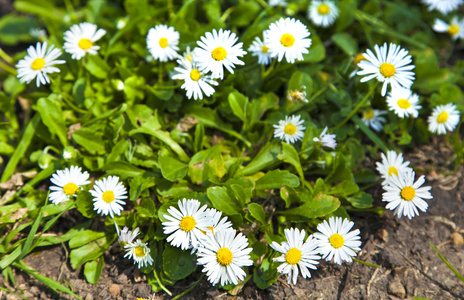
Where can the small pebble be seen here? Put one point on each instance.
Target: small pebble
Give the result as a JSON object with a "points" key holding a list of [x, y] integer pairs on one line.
{"points": [[115, 289], [383, 235], [456, 239], [395, 288], [89, 296]]}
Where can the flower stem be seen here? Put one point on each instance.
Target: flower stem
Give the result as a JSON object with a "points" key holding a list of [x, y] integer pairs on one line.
{"points": [[6, 57], [160, 284], [7, 68], [189, 289], [365, 263]]}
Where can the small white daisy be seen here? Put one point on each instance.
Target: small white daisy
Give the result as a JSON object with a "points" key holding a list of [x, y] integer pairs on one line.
{"points": [[323, 13], [287, 37], [162, 42], [38, 33], [296, 253], [389, 65], [444, 118], [335, 241], [259, 49], [455, 29], [373, 118], [443, 6], [126, 236], [218, 51], [392, 164], [274, 3], [327, 140], [38, 63], [223, 256], [80, 39], [405, 196], [108, 194], [217, 224], [140, 253], [188, 55], [291, 129], [403, 102], [298, 95], [67, 183]]}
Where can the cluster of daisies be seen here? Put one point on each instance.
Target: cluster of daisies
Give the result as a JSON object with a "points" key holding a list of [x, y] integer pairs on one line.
{"points": [[455, 27]]}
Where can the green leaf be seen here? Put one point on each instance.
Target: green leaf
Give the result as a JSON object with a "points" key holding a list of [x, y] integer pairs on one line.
{"points": [[289, 195], [178, 264], [171, 168], [257, 212], [199, 135], [346, 42], [97, 66], [260, 106], [265, 275], [344, 188], [207, 164], [316, 51], [239, 103], [123, 169], [289, 155], [267, 157], [93, 270], [15, 29], [222, 201], [84, 204], [44, 9], [318, 207], [90, 251], [450, 93], [361, 200], [90, 140], [244, 13], [84, 237], [276, 179]]}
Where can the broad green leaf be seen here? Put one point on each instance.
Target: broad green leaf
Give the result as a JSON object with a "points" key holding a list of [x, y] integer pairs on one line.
{"points": [[222, 201], [319, 206], [15, 29], [267, 157], [361, 200], [171, 168], [276, 179], [260, 106], [239, 104], [289, 155], [207, 164], [344, 188], [289, 195], [265, 275], [97, 66], [90, 251], [244, 13], [44, 9], [84, 204], [90, 140], [316, 51], [450, 92], [84, 237], [93, 270], [199, 135], [123, 169], [178, 264], [257, 212], [346, 42]]}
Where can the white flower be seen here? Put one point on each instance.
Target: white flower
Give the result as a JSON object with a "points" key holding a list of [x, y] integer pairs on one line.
{"points": [[455, 29], [67, 183], [405, 196], [390, 66], [373, 118], [444, 118], [296, 253], [126, 236], [298, 95], [287, 37], [162, 42], [217, 224], [108, 194], [80, 39], [335, 241], [323, 13], [223, 256], [188, 54], [259, 49], [291, 129], [274, 3], [38, 33], [140, 253], [196, 82], [217, 50], [186, 226], [392, 164], [403, 102], [444, 6], [327, 140], [38, 63]]}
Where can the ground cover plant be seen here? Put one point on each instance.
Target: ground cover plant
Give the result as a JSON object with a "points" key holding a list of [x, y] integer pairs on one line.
{"points": [[227, 137]]}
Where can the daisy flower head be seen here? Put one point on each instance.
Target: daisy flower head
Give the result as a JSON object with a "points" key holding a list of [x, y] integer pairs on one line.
{"points": [[80, 40], [108, 195], [67, 184], [298, 95], [38, 33], [162, 42], [140, 253], [356, 59], [188, 54], [126, 236], [327, 140], [38, 63], [219, 50], [403, 102], [334, 240], [297, 254], [373, 118], [443, 6], [259, 49], [405, 196], [217, 224], [287, 37], [392, 164], [390, 65], [291, 129], [444, 118], [223, 256], [274, 3], [455, 29], [323, 13]]}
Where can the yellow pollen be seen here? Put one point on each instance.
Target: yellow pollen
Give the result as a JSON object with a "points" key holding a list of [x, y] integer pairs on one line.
{"points": [[163, 42], [387, 70], [453, 29], [392, 170], [443, 117], [290, 129], [108, 196], [408, 193], [368, 114], [224, 256], [219, 53], [139, 251], [70, 189], [189, 58], [336, 240], [323, 9], [404, 104], [85, 44], [187, 223], [265, 49], [195, 75], [211, 228], [293, 256], [358, 58], [38, 64], [287, 40]]}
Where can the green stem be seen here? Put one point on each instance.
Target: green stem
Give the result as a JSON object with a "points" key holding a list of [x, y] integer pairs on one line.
{"points": [[227, 13], [6, 57], [190, 288], [447, 263], [7, 68], [365, 263], [271, 68], [160, 72], [160, 284]]}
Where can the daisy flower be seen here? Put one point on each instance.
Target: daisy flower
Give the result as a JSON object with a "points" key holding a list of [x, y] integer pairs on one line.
{"points": [[259, 49], [334, 240], [287, 37], [186, 226], [223, 256], [291, 129], [38, 63], [108, 194], [296, 253], [298, 95], [323, 13], [403, 102], [373, 118], [67, 183], [405, 196], [140, 253], [444, 118], [217, 224], [274, 3], [359, 57], [390, 66], [196, 82], [443, 6], [392, 164], [455, 29], [38, 33], [80, 40], [327, 140], [126, 236], [162, 42], [188, 55]]}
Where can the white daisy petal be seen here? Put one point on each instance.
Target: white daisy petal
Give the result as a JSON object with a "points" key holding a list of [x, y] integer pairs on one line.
{"points": [[196, 82], [162, 42], [443, 6], [291, 129], [139, 252], [68, 182], [444, 118], [80, 40], [392, 164], [108, 194], [323, 13]]}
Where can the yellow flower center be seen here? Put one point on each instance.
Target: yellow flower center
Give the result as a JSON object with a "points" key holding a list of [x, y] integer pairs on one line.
{"points": [[108, 196], [293, 256], [442, 117], [290, 129], [392, 170], [287, 40], [70, 189], [265, 49], [139, 251], [323, 9], [85, 44], [38, 64], [336, 240], [195, 75], [387, 70], [453, 29], [408, 193], [187, 223], [368, 114], [163, 42], [358, 58], [219, 53], [224, 256], [404, 104]]}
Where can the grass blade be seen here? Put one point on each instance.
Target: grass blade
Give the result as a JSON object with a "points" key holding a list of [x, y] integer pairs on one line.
{"points": [[447, 263]]}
